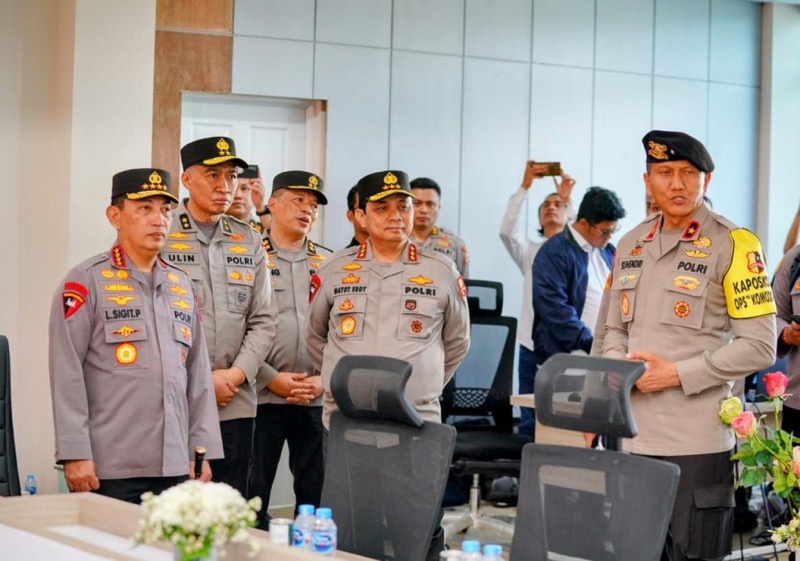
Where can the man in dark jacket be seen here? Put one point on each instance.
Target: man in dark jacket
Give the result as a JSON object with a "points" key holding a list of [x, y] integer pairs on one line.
{"points": [[570, 271]]}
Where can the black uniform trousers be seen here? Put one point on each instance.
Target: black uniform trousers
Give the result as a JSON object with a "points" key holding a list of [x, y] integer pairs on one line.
{"points": [[300, 427], [237, 445], [131, 489]]}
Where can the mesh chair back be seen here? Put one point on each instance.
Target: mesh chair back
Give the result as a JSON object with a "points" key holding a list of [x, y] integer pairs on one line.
{"points": [[481, 387], [384, 475], [485, 298], [587, 394], [9, 476], [598, 505]]}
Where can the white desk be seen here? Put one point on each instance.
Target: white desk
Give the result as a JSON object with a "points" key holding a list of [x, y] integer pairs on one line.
{"points": [[89, 527]]}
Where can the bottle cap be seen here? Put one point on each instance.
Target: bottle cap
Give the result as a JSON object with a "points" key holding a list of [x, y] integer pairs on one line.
{"points": [[471, 546], [323, 512], [305, 509], [493, 550]]}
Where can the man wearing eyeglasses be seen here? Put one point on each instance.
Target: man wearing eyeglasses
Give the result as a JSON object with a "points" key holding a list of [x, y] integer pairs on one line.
{"points": [[569, 274]]}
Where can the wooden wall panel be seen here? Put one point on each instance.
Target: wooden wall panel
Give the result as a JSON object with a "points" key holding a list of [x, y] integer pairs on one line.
{"points": [[197, 15], [184, 62]]}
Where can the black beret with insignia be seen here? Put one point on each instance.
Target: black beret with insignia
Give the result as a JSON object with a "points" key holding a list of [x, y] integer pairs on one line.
{"points": [[141, 183], [381, 184], [302, 180], [211, 151], [250, 172], [671, 146]]}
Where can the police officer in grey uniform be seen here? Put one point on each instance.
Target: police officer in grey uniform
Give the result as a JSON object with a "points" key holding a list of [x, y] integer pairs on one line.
{"points": [[690, 297], [226, 261], [129, 372], [289, 391], [426, 234], [388, 297]]}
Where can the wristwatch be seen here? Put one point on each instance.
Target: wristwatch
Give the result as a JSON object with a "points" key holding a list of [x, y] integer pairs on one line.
{"points": [[263, 212]]}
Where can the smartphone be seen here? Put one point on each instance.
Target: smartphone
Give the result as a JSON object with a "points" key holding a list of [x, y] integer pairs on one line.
{"points": [[553, 168], [794, 318], [250, 172]]}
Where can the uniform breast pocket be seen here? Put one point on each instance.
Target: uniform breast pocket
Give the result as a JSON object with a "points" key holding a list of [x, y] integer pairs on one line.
{"points": [[348, 316], [239, 297], [182, 334], [127, 345], [625, 299], [418, 318], [684, 307]]}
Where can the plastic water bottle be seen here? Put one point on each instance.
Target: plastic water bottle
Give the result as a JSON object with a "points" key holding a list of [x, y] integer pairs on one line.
{"points": [[492, 552], [470, 550], [323, 539], [303, 526], [31, 485]]}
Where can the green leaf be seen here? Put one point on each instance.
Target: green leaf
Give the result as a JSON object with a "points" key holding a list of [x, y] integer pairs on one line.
{"points": [[751, 477], [764, 458]]}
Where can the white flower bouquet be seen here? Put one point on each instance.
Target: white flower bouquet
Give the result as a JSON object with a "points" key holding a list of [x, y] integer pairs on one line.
{"points": [[198, 518]]}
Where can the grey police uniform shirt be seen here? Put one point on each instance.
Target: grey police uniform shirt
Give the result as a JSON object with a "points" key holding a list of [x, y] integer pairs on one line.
{"points": [[701, 299], [229, 272], [291, 273], [129, 372], [787, 300], [414, 309], [446, 242]]}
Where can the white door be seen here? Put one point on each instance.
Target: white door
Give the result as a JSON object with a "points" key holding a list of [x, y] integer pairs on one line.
{"points": [[277, 135]]}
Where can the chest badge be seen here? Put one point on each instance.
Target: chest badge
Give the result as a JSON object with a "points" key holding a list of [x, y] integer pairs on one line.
{"points": [[686, 283], [173, 277], [352, 266], [624, 279], [411, 305], [351, 279], [420, 280], [238, 249], [236, 237], [126, 353], [682, 309], [179, 246], [121, 300], [696, 253], [179, 290], [107, 274], [625, 305], [348, 325], [346, 306], [703, 242], [180, 303], [178, 236], [125, 331], [417, 326], [755, 264], [118, 287]]}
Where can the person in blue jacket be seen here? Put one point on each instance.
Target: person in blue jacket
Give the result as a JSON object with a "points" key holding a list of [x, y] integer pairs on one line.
{"points": [[569, 274]]}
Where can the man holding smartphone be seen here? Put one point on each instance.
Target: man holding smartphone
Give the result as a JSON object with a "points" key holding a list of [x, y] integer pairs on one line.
{"points": [[786, 288], [554, 213]]}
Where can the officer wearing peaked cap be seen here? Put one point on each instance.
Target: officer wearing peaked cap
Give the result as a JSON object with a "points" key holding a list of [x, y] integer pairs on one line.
{"points": [[131, 385], [226, 261], [388, 297], [289, 390], [689, 296], [243, 206]]}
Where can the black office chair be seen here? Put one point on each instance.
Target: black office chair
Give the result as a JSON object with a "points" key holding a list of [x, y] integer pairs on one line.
{"points": [[484, 297], [590, 504], [480, 408], [386, 468], [9, 476]]}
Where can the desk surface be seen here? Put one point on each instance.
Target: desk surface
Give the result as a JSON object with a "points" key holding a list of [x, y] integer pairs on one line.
{"points": [[89, 527]]}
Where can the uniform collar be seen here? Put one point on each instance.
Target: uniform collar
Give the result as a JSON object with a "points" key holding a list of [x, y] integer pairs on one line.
{"points": [[410, 253]]}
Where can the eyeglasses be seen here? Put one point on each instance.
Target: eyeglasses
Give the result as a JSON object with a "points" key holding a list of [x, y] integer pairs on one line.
{"points": [[606, 232]]}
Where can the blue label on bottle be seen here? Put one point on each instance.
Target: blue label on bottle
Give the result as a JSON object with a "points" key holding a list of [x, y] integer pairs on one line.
{"points": [[323, 543], [298, 537]]}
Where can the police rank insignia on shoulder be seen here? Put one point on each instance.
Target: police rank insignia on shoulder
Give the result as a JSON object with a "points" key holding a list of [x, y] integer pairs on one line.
{"points": [[747, 289], [73, 297], [462, 286]]}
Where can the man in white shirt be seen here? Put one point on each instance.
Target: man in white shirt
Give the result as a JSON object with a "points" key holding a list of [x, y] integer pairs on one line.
{"points": [[554, 212], [569, 273]]}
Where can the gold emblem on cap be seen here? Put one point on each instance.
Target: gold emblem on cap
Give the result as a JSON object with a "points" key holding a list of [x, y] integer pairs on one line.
{"points": [[223, 147], [390, 178], [156, 183], [313, 182], [658, 151], [155, 178]]}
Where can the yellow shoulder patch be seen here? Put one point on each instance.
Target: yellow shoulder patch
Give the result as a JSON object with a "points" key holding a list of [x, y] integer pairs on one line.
{"points": [[747, 290]]}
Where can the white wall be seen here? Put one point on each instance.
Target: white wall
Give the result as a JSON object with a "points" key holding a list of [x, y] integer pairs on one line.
{"points": [[75, 108], [465, 90]]}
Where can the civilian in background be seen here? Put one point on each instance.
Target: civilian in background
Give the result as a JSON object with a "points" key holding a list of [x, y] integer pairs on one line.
{"points": [[569, 274], [554, 212], [360, 234], [242, 206]]}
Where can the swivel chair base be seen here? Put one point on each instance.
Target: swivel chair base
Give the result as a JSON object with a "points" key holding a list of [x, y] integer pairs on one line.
{"points": [[474, 519]]}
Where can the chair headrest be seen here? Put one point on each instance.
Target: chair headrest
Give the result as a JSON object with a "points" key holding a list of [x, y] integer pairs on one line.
{"points": [[373, 388], [588, 394], [485, 298]]}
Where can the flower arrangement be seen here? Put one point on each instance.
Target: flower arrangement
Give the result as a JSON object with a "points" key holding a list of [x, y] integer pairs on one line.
{"points": [[198, 518], [769, 453]]}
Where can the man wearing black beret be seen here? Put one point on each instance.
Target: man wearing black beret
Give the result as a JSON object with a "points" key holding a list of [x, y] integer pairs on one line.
{"points": [[129, 402], [689, 296], [226, 261]]}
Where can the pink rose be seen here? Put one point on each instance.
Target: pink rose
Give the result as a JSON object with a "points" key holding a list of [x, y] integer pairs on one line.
{"points": [[744, 424], [796, 460], [775, 383]]}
